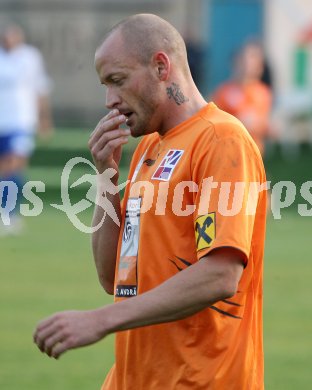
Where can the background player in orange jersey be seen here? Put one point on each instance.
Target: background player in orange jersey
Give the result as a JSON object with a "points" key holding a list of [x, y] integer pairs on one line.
{"points": [[187, 277], [245, 95]]}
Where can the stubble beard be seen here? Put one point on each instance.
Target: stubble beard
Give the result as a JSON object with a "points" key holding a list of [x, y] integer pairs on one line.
{"points": [[144, 119]]}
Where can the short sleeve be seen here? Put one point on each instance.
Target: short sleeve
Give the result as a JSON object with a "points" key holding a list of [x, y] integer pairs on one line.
{"points": [[228, 175]]}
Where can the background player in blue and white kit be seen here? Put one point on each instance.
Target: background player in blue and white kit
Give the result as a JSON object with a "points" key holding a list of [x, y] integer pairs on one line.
{"points": [[24, 109]]}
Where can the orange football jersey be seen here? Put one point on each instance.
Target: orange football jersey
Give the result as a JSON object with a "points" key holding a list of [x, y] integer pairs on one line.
{"points": [[189, 194]]}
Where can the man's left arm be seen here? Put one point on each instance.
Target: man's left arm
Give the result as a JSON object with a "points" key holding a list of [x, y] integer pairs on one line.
{"points": [[45, 125], [211, 279]]}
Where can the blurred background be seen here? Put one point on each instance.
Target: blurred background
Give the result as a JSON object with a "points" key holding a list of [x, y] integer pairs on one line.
{"points": [[48, 266]]}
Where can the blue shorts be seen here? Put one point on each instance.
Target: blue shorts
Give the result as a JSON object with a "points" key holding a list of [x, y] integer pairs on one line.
{"points": [[17, 143]]}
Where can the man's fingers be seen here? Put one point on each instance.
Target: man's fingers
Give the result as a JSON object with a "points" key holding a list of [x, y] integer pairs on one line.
{"points": [[41, 337], [111, 114], [51, 333], [107, 137], [51, 327], [44, 327], [46, 322], [60, 348], [67, 330], [105, 125], [51, 342], [110, 147]]}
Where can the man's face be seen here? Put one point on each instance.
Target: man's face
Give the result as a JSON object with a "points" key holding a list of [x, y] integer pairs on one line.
{"points": [[12, 37], [132, 87], [252, 62]]}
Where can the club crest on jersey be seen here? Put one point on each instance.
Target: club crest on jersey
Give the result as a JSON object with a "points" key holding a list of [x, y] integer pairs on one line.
{"points": [[166, 167]]}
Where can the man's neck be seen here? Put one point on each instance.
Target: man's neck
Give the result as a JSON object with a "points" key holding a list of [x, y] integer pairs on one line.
{"points": [[181, 110]]}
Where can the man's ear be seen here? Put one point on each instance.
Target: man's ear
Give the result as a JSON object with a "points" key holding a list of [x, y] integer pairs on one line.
{"points": [[162, 65]]}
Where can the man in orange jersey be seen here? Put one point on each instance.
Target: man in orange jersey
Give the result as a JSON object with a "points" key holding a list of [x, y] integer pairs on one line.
{"points": [[185, 268], [245, 96]]}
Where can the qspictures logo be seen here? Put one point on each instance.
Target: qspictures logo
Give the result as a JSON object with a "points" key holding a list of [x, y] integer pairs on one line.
{"points": [[100, 185], [233, 198]]}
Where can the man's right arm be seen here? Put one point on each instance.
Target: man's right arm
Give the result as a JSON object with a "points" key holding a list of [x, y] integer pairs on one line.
{"points": [[105, 242], [105, 144]]}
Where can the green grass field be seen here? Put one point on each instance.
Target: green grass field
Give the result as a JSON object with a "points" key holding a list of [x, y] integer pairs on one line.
{"points": [[50, 268], [287, 303], [47, 269]]}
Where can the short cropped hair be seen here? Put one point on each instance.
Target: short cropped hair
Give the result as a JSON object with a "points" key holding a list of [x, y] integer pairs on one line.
{"points": [[144, 34]]}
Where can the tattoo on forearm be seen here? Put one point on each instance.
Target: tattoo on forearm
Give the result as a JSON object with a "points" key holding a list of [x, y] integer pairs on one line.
{"points": [[175, 92]]}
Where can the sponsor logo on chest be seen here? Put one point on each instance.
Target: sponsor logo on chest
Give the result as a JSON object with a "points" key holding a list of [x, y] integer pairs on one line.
{"points": [[167, 165]]}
